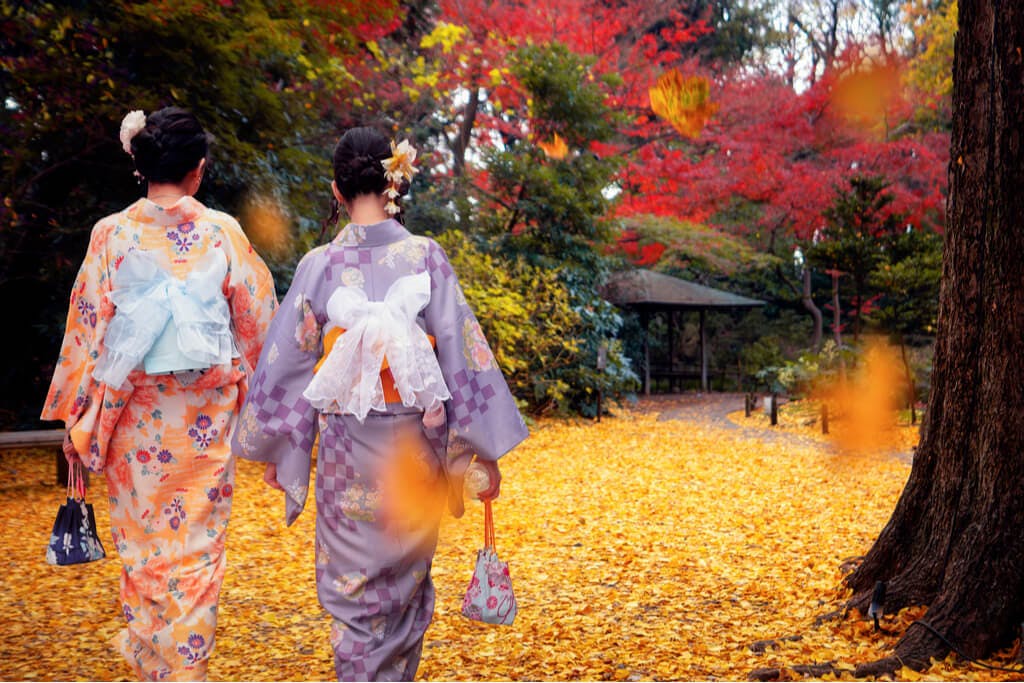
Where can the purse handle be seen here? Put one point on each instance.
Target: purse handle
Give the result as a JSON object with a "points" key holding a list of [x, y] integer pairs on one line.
{"points": [[76, 481], [488, 526]]}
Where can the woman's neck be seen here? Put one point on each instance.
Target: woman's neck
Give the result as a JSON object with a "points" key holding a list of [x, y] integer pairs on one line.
{"points": [[165, 194], [367, 209]]}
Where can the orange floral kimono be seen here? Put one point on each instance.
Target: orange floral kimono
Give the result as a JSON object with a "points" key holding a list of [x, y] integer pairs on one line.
{"points": [[163, 440]]}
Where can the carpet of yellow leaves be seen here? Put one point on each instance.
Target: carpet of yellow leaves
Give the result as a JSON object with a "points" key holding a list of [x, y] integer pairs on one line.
{"points": [[640, 549]]}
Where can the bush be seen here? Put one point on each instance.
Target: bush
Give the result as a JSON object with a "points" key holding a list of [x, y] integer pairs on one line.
{"points": [[544, 339], [809, 372]]}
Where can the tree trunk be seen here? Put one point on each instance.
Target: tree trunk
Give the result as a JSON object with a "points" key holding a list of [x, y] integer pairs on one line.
{"points": [[837, 328], [465, 135], [815, 312], [955, 541]]}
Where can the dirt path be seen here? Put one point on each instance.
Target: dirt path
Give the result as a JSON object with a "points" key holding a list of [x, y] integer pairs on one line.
{"points": [[713, 409]]}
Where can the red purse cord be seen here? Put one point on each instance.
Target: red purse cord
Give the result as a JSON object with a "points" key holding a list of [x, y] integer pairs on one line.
{"points": [[76, 481], [488, 525]]}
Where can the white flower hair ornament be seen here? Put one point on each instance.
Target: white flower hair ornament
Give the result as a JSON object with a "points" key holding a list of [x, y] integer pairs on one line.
{"points": [[133, 122], [398, 167]]}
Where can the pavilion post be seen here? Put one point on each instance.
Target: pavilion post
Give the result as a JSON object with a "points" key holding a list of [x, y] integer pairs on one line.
{"points": [[645, 321], [671, 347], [703, 355]]}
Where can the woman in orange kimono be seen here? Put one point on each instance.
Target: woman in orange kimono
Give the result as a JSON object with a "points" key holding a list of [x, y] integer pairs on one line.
{"points": [[167, 319]]}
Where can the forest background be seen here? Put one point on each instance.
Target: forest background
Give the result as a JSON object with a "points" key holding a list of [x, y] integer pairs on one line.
{"points": [[792, 151]]}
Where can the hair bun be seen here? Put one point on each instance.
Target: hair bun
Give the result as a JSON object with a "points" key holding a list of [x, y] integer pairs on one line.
{"points": [[170, 145], [363, 162], [358, 162]]}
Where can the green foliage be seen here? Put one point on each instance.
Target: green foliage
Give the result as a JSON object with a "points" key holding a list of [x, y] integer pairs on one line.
{"points": [[857, 225], [761, 358], [527, 317], [558, 207], [741, 29], [809, 371], [554, 209], [693, 250], [260, 75], [566, 100], [855, 222], [908, 277]]}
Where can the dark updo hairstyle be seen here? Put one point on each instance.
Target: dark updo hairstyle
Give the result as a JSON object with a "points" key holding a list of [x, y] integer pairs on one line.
{"points": [[357, 162], [171, 145], [358, 169]]}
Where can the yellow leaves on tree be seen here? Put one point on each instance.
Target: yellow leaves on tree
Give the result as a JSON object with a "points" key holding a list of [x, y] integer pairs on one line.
{"points": [[683, 101]]}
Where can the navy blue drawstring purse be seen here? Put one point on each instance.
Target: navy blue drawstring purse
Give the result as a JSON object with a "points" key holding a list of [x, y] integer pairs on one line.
{"points": [[74, 539]]}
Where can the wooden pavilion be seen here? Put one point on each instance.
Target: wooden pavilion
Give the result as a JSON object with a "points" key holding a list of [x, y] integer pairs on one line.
{"points": [[649, 293]]}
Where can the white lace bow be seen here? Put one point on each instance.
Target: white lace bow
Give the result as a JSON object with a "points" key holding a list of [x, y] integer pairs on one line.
{"points": [[349, 381], [147, 296]]}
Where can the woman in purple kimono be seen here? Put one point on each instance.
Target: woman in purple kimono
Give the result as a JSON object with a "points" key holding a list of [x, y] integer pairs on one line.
{"points": [[375, 354]]}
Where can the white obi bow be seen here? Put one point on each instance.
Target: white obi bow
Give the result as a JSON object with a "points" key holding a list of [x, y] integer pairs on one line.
{"points": [[170, 324], [348, 380]]}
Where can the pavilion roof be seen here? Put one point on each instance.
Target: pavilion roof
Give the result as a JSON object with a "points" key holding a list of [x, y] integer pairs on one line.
{"points": [[646, 288]]}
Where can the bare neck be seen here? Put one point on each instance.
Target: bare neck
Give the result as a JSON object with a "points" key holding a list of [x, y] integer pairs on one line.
{"points": [[165, 194], [367, 209]]}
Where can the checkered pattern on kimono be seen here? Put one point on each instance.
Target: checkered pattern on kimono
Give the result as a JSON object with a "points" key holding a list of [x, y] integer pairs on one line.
{"points": [[333, 473], [347, 257], [385, 589], [437, 262], [282, 418], [437, 437], [346, 649], [469, 398]]}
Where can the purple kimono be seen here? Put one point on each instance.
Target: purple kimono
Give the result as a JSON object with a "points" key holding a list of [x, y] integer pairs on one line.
{"points": [[384, 293]]}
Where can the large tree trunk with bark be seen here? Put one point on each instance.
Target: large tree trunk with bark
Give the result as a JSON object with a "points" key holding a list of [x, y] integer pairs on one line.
{"points": [[955, 541]]}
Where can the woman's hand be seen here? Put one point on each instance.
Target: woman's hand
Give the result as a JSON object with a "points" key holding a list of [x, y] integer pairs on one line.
{"points": [[493, 476], [70, 454], [270, 476]]}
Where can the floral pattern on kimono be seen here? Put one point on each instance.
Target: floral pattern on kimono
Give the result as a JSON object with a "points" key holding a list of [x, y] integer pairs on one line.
{"points": [[378, 592], [162, 440]]}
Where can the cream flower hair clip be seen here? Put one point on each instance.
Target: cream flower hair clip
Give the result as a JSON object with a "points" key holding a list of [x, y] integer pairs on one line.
{"points": [[133, 122], [398, 167]]}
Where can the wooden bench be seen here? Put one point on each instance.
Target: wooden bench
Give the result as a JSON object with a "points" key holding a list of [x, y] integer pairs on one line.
{"points": [[39, 438]]}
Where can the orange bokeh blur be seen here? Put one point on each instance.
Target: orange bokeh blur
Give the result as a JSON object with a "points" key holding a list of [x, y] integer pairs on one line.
{"points": [[866, 403], [864, 97], [413, 493], [266, 223]]}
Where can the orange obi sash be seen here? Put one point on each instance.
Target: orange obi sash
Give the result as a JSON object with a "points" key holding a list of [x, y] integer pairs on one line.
{"points": [[387, 381]]}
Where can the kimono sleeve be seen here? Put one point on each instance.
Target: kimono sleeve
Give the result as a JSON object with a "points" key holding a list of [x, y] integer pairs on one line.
{"points": [[277, 424], [482, 416], [73, 388], [251, 298]]}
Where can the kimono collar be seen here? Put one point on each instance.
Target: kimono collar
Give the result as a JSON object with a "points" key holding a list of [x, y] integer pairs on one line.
{"points": [[184, 210], [374, 235]]}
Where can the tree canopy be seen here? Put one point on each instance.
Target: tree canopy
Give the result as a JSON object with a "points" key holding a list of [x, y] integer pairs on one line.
{"points": [[547, 130]]}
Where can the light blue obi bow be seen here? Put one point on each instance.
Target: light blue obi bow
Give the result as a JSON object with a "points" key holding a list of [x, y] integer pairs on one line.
{"points": [[167, 324]]}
